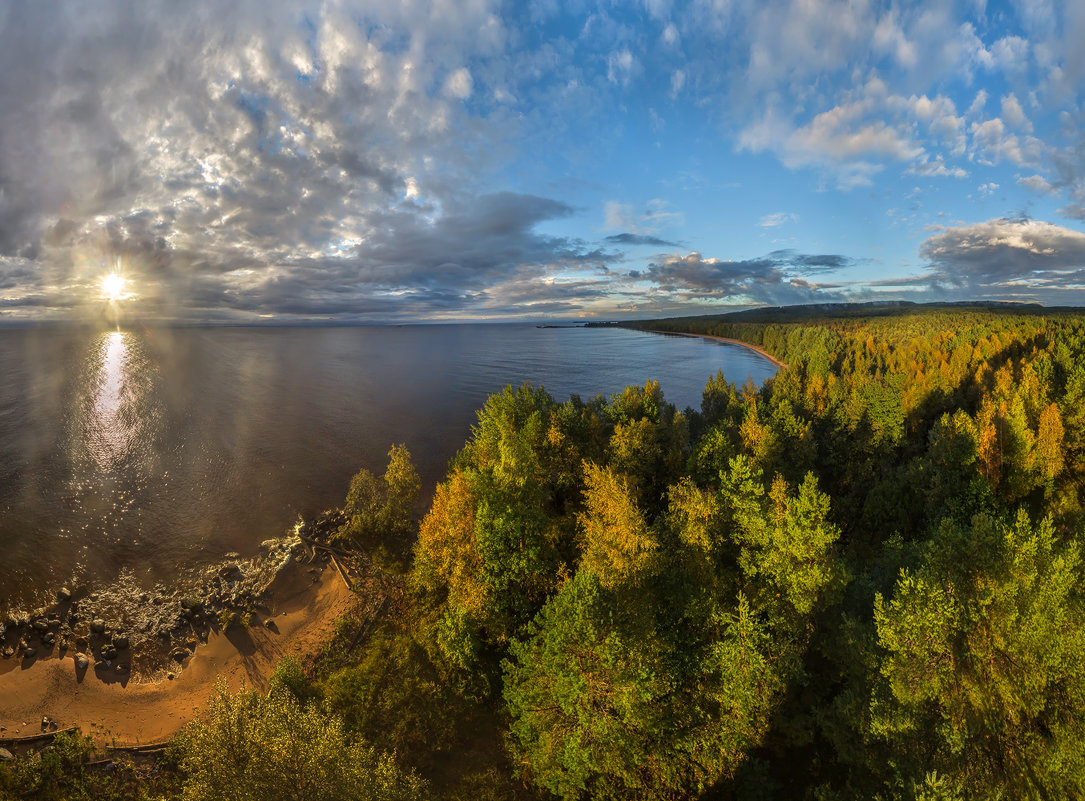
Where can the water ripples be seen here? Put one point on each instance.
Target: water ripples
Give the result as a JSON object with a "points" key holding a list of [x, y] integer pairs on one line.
{"points": [[160, 450]]}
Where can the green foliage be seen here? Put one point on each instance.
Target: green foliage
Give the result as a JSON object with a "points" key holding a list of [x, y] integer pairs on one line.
{"points": [[786, 539], [289, 675], [270, 746], [581, 688], [984, 665], [379, 511], [62, 769]]}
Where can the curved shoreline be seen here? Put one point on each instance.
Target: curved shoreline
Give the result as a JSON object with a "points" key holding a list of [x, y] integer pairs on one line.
{"points": [[726, 340], [114, 709]]}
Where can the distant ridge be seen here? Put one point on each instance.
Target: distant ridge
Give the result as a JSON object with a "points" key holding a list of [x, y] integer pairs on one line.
{"points": [[875, 308]]}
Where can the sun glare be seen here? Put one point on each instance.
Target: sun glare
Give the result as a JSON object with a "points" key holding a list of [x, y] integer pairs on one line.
{"points": [[113, 286]]}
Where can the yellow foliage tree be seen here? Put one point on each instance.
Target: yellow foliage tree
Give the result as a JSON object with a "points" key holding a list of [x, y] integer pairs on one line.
{"points": [[616, 543]]}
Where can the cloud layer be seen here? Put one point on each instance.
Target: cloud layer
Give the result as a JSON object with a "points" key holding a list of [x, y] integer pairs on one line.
{"points": [[1009, 256], [401, 160], [774, 280]]}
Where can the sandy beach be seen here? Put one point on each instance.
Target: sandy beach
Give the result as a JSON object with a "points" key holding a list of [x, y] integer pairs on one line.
{"points": [[114, 709], [729, 341]]}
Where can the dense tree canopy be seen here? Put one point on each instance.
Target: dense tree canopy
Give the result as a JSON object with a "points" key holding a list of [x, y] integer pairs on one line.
{"points": [[859, 580]]}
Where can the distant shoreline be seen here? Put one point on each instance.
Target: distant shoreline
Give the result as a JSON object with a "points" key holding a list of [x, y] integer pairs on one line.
{"points": [[726, 340]]}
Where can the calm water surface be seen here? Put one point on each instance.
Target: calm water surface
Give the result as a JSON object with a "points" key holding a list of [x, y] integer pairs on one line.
{"points": [[154, 451]]}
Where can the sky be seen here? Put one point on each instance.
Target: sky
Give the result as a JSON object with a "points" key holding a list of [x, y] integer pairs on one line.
{"points": [[270, 161]]}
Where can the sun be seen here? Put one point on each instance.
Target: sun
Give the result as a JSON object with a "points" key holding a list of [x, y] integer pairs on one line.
{"points": [[113, 286]]}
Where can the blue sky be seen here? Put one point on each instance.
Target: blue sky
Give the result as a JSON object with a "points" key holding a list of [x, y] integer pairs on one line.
{"points": [[284, 161]]}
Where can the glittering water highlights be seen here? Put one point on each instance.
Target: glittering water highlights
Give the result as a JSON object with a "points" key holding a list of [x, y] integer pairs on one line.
{"points": [[110, 428], [155, 452]]}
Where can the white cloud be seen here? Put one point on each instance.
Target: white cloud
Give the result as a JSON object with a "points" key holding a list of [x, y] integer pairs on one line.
{"points": [[621, 66], [460, 84], [777, 219], [1037, 183], [993, 143], [973, 48], [889, 37], [843, 139], [678, 81], [1014, 115], [658, 9], [937, 168], [988, 189], [940, 114], [978, 103], [1011, 53], [653, 217]]}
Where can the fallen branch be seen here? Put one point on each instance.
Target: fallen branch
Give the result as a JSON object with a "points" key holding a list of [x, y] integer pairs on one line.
{"points": [[30, 738], [149, 748], [327, 548], [342, 573]]}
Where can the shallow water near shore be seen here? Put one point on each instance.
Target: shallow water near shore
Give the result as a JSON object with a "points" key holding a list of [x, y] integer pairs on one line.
{"points": [[152, 453]]}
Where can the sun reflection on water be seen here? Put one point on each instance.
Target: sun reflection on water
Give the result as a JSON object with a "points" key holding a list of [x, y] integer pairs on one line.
{"points": [[111, 429]]}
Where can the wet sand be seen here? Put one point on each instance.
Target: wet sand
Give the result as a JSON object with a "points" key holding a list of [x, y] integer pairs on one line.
{"points": [[114, 709]]}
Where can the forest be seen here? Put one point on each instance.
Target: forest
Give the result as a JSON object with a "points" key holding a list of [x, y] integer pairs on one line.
{"points": [[861, 580]]}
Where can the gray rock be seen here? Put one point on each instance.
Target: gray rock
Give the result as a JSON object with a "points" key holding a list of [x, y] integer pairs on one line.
{"points": [[29, 653], [6, 755], [97, 626], [120, 642], [81, 661], [192, 605], [64, 594], [48, 638], [108, 652]]}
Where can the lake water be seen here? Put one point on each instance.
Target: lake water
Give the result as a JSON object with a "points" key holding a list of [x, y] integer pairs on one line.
{"points": [[154, 451]]}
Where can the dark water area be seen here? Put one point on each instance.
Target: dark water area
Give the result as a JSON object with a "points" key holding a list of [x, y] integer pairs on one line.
{"points": [[150, 452]]}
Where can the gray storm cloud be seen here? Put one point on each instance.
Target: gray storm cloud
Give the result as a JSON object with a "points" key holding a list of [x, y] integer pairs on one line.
{"points": [[775, 279], [1017, 255]]}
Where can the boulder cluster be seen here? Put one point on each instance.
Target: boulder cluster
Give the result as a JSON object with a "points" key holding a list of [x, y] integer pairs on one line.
{"points": [[122, 627]]}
